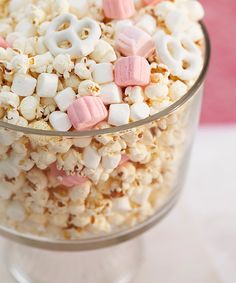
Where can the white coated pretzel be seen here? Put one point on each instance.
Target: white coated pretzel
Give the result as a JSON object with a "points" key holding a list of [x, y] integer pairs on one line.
{"points": [[177, 50], [79, 47]]}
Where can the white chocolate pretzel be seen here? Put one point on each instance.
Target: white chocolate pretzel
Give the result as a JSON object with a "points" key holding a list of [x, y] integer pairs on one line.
{"points": [[79, 47], [180, 54]]}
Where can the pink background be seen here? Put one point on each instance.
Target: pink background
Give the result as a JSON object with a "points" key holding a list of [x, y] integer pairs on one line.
{"points": [[220, 99]]}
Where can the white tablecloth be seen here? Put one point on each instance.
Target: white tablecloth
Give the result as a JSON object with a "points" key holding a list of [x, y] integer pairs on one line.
{"points": [[196, 243]]}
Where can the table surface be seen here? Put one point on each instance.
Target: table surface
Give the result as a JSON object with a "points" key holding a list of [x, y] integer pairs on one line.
{"points": [[196, 242]]}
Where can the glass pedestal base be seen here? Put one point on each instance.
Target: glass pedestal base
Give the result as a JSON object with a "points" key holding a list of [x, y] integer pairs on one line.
{"points": [[117, 264]]}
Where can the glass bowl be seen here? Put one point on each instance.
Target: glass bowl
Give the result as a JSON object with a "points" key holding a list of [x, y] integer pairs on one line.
{"points": [[121, 204]]}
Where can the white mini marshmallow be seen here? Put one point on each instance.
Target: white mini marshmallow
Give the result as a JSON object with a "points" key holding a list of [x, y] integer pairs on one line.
{"points": [[111, 161], [103, 73], [195, 10], [79, 8], [82, 142], [119, 114], [91, 158], [28, 107], [177, 21], [23, 85], [141, 195], [26, 28], [162, 9], [65, 98], [60, 121], [139, 111], [147, 23], [47, 85], [111, 93], [121, 204]]}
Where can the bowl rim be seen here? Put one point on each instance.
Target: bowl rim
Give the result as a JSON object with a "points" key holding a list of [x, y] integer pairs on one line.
{"points": [[165, 112]]}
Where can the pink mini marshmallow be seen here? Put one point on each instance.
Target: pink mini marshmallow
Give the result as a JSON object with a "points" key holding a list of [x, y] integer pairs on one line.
{"points": [[134, 41], [3, 43], [86, 112], [132, 71], [118, 9], [151, 2], [67, 181]]}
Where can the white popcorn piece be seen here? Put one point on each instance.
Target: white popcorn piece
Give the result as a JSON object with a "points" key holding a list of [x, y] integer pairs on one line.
{"points": [[178, 89], [19, 63], [147, 23], [47, 85], [103, 73], [119, 114], [26, 28], [23, 85], [141, 195], [121, 204], [91, 158], [41, 62], [79, 8], [60, 121], [82, 71], [177, 21], [9, 98], [88, 87], [103, 52], [110, 93], [12, 37], [80, 192], [65, 98], [63, 64], [16, 211], [155, 91], [111, 161], [16, 5], [135, 94], [12, 117], [28, 107], [139, 111]]}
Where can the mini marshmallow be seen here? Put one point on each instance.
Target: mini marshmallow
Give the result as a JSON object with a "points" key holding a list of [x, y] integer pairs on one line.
{"points": [[119, 114], [3, 43], [176, 21], [132, 71], [163, 8], [28, 107], [195, 10], [111, 161], [91, 158], [139, 111], [147, 23], [103, 52], [82, 142], [86, 112], [111, 93], [23, 85], [79, 8], [47, 85], [60, 121], [26, 28], [118, 9], [121, 204], [65, 98], [103, 73], [121, 25], [134, 41]]}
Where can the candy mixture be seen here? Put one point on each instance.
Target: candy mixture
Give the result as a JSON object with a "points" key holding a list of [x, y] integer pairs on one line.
{"points": [[75, 65]]}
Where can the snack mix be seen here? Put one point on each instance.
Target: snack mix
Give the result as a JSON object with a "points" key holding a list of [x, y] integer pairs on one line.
{"points": [[81, 65]]}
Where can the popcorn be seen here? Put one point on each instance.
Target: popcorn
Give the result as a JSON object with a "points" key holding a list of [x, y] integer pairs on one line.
{"points": [[135, 94], [103, 73], [12, 117], [82, 71], [119, 114], [82, 142], [63, 64], [80, 192], [9, 98], [110, 93], [41, 63], [103, 52], [80, 9], [60, 121], [91, 158], [26, 28], [163, 8], [177, 90], [156, 91], [65, 98], [16, 211], [140, 195], [19, 63], [121, 205], [23, 85], [139, 111], [89, 87], [47, 85], [37, 178]]}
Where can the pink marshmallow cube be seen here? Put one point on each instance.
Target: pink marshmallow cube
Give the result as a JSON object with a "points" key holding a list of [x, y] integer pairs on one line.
{"points": [[134, 41], [132, 71], [86, 112], [118, 9], [3, 43], [67, 181]]}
